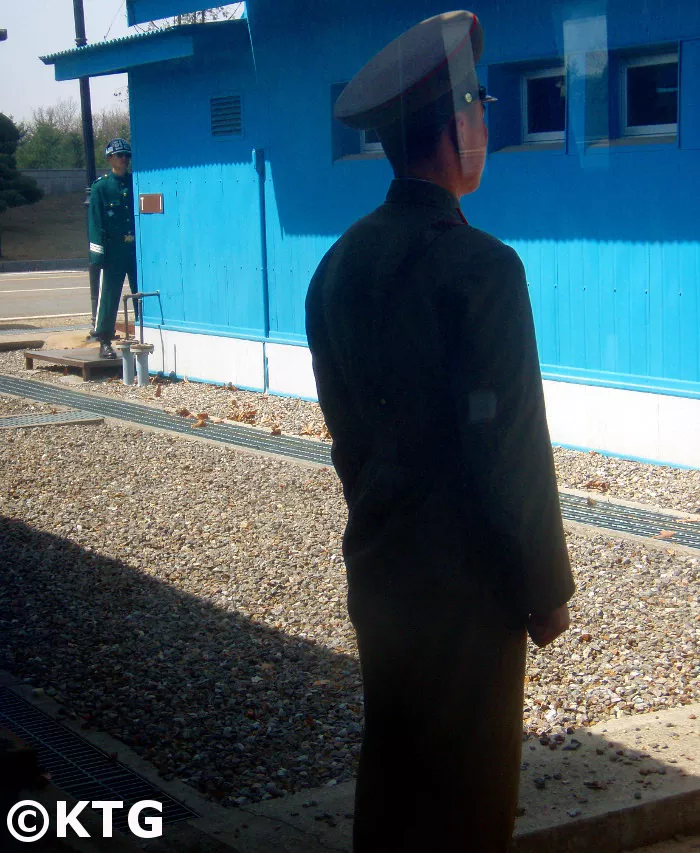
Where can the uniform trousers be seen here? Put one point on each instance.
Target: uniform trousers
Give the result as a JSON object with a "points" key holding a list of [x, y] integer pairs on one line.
{"points": [[443, 679], [112, 277]]}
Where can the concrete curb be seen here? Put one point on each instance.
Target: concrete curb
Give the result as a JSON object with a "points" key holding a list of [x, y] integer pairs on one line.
{"points": [[44, 266], [318, 820]]}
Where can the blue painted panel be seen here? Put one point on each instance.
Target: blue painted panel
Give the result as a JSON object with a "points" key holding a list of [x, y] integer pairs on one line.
{"points": [[609, 235], [690, 94], [143, 11], [204, 252], [100, 60]]}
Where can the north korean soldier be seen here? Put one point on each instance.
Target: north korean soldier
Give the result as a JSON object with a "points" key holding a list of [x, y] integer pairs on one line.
{"points": [[427, 371], [112, 246]]}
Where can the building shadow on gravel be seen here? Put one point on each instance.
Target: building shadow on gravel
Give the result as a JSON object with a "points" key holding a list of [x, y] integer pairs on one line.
{"points": [[235, 709]]}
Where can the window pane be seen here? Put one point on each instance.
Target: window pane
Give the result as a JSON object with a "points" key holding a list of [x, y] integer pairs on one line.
{"points": [[652, 94], [546, 104], [372, 137]]}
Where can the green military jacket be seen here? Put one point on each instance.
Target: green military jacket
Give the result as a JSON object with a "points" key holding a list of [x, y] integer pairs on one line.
{"points": [[426, 365], [111, 220]]}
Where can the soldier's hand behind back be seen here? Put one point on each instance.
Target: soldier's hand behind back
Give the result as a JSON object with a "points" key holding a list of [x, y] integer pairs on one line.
{"points": [[544, 629]]}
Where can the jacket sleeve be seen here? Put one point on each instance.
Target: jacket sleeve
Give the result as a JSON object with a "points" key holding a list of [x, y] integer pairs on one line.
{"points": [[506, 454], [96, 226]]}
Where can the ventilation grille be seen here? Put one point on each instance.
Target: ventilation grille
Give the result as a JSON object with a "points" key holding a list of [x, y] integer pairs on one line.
{"points": [[226, 116]]}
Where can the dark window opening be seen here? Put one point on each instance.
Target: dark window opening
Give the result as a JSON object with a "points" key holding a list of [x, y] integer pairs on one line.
{"points": [[651, 97], [544, 106]]}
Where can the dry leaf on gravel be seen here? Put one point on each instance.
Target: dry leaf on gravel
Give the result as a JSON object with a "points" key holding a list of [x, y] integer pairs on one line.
{"points": [[598, 484], [183, 412]]}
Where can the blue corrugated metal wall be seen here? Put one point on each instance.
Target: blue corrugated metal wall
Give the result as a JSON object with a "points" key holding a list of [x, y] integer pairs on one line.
{"points": [[609, 234], [204, 252]]}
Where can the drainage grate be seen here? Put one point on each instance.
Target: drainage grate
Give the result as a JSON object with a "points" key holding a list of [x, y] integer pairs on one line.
{"points": [[80, 769], [49, 419], [300, 449], [624, 519], [629, 519]]}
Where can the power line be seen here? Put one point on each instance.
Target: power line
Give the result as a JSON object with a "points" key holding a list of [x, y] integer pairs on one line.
{"points": [[121, 6]]}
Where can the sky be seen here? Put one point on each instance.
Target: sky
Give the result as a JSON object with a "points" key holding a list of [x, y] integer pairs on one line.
{"points": [[39, 27]]}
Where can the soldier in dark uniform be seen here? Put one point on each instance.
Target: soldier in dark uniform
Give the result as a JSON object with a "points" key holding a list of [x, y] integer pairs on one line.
{"points": [[427, 371], [112, 246]]}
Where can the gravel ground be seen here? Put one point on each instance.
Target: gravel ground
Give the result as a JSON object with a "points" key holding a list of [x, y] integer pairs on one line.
{"points": [[290, 415], [661, 487], [190, 600]]}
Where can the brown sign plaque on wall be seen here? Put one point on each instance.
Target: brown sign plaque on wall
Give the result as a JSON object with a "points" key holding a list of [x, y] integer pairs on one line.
{"points": [[151, 202]]}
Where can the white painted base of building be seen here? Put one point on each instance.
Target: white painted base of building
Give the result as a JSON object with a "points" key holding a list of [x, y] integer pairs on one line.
{"points": [[638, 425], [635, 424]]}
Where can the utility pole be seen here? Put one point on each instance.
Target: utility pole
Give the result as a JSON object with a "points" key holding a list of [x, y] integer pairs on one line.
{"points": [[88, 141]]}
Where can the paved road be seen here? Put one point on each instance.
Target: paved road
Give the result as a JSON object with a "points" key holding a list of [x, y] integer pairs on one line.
{"points": [[43, 294]]}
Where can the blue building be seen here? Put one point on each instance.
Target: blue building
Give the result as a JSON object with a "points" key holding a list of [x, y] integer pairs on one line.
{"points": [[593, 176]]}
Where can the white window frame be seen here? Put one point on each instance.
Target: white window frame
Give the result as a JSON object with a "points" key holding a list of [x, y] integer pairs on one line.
{"points": [[369, 147], [645, 129], [550, 136]]}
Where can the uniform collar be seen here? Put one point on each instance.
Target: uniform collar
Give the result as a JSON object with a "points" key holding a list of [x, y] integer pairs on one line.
{"points": [[416, 191]]}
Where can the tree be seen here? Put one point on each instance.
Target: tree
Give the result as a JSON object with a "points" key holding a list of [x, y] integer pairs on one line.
{"points": [[216, 13], [15, 188], [53, 139], [107, 125]]}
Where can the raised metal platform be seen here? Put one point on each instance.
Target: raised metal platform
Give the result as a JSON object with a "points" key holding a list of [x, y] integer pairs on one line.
{"points": [[49, 419], [86, 360]]}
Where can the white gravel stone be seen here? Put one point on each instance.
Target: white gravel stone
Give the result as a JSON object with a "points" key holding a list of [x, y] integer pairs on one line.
{"points": [[190, 598]]}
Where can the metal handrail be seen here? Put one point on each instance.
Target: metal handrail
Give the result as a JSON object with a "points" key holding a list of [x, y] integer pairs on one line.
{"points": [[135, 297]]}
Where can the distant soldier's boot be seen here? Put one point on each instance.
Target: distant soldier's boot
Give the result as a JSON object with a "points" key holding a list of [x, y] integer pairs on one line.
{"points": [[106, 350]]}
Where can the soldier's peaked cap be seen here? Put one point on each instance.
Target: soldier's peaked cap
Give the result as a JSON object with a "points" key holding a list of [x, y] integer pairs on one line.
{"points": [[434, 57]]}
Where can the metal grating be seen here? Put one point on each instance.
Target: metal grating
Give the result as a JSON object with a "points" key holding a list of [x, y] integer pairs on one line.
{"points": [[628, 519], [226, 116], [48, 419], [300, 449], [600, 513], [80, 769]]}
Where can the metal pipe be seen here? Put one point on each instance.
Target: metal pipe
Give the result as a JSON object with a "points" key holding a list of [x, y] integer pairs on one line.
{"points": [[88, 145], [259, 162], [136, 297], [142, 351], [128, 367]]}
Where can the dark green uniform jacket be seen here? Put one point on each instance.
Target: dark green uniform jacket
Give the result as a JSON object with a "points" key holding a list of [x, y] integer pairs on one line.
{"points": [[426, 364], [111, 221]]}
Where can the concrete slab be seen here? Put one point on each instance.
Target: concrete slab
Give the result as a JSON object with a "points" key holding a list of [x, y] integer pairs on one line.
{"points": [[609, 788], [614, 787]]}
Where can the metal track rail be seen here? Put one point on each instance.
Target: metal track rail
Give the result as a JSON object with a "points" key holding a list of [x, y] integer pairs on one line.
{"points": [[595, 511], [299, 449]]}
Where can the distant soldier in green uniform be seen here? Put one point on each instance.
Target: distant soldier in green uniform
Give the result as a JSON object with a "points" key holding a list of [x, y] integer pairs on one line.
{"points": [[427, 371], [112, 246]]}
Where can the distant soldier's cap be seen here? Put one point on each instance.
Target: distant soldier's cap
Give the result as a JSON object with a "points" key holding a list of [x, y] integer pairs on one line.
{"points": [[117, 146], [434, 57]]}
